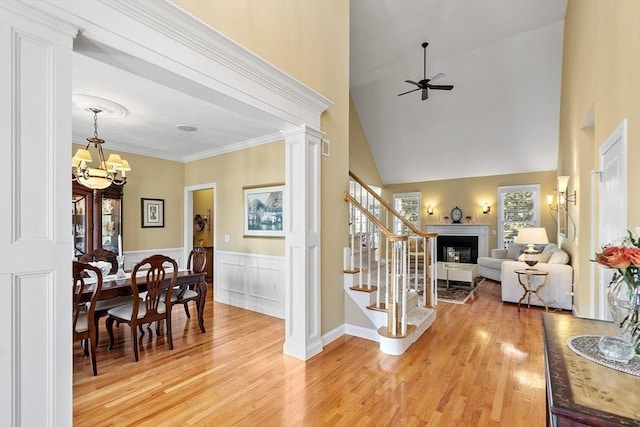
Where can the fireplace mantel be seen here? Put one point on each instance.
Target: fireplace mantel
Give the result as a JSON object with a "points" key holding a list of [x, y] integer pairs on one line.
{"points": [[480, 230]]}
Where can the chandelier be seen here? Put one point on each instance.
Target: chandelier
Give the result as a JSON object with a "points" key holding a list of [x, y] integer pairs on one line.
{"points": [[106, 173]]}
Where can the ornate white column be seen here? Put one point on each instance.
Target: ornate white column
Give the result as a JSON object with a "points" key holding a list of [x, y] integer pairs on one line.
{"points": [[302, 252]]}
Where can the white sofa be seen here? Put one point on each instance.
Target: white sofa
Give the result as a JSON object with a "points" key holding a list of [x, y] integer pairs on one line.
{"points": [[503, 263]]}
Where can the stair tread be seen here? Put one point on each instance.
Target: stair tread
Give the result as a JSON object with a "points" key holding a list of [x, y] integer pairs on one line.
{"points": [[364, 288]]}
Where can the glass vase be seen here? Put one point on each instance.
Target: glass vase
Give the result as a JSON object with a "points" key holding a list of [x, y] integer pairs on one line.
{"points": [[623, 297]]}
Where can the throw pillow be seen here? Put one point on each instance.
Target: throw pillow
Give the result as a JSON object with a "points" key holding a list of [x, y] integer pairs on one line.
{"points": [[550, 248], [559, 257], [515, 250]]}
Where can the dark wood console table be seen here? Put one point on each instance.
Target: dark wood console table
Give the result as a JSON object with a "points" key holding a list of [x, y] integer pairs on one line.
{"points": [[581, 392]]}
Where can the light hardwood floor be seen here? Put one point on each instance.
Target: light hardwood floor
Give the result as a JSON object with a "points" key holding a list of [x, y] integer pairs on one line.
{"points": [[480, 364]]}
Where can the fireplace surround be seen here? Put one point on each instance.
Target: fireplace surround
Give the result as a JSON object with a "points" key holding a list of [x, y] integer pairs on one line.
{"points": [[463, 236]]}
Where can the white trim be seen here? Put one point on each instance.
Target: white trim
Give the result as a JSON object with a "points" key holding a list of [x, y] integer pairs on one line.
{"points": [[515, 189], [361, 332]]}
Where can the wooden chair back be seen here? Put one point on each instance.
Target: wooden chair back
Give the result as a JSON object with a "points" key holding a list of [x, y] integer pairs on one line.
{"points": [[155, 268], [83, 313], [101, 254], [197, 261]]}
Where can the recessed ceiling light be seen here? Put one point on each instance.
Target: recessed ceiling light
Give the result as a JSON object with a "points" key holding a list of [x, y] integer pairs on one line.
{"points": [[187, 128]]}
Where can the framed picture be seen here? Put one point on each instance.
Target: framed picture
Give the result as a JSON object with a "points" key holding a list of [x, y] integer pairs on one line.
{"points": [[263, 214], [152, 213]]}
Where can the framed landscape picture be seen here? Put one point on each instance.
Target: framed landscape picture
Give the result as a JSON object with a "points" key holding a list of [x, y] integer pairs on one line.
{"points": [[263, 215], [152, 213]]}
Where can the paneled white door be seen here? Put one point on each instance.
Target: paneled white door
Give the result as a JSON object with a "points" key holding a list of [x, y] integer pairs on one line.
{"points": [[35, 226], [612, 207]]}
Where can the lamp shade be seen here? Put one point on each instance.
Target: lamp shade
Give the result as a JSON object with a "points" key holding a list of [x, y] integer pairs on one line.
{"points": [[533, 235], [563, 181]]}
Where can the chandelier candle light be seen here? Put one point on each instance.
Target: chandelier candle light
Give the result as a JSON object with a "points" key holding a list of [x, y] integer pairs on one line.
{"points": [[101, 177]]}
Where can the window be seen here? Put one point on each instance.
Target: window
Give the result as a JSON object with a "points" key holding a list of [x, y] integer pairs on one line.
{"points": [[408, 205], [519, 206]]}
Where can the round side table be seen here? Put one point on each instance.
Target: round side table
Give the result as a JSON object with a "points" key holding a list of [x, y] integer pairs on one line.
{"points": [[529, 287]]}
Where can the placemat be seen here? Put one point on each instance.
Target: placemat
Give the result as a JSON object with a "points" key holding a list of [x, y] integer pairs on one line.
{"points": [[587, 347]]}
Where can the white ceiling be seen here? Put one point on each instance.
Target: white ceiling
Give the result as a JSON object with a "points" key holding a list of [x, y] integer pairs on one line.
{"points": [[503, 56]]}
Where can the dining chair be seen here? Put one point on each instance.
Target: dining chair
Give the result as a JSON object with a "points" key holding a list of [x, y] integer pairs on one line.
{"points": [[84, 329], [101, 254], [103, 306], [151, 308], [197, 262]]}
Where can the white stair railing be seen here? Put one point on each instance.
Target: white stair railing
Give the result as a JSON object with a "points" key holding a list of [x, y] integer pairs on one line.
{"points": [[365, 228], [421, 267]]}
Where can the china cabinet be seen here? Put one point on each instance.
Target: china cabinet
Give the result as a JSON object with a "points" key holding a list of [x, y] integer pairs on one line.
{"points": [[97, 218]]}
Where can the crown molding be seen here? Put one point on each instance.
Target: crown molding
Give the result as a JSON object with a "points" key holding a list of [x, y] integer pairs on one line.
{"points": [[148, 30]]}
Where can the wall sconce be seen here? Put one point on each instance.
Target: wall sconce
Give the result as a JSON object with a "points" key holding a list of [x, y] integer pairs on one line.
{"points": [[565, 198], [486, 208], [430, 210]]}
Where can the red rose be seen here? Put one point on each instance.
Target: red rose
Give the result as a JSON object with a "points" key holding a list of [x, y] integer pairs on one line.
{"points": [[614, 257], [633, 256]]}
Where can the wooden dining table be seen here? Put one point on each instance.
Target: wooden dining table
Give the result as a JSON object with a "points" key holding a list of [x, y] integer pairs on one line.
{"points": [[113, 288]]}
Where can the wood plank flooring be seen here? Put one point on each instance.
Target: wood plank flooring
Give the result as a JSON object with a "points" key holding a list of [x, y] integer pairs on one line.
{"points": [[480, 364]]}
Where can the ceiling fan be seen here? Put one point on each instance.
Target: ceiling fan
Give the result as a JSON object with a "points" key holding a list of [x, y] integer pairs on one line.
{"points": [[425, 84]]}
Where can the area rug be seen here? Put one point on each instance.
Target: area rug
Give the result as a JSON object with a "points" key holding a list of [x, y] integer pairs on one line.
{"points": [[457, 294]]}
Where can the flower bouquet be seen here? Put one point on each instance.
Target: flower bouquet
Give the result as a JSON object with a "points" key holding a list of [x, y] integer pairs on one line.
{"points": [[623, 296]]}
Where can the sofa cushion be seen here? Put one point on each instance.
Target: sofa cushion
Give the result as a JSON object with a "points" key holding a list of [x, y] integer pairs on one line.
{"points": [[559, 257], [541, 257], [551, 248]]}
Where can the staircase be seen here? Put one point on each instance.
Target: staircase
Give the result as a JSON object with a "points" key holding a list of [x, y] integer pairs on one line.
{"points": [[394, 287]]}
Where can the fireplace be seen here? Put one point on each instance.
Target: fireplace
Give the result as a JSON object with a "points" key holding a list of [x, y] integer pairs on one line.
{"points": [[465, 246]]}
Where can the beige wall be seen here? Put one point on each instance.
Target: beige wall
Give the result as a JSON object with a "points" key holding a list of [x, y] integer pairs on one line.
{"points": [[151, 178], [469, 194], [308, 39], [601, 65], [361, 160], [203, 206], [261, 165]]}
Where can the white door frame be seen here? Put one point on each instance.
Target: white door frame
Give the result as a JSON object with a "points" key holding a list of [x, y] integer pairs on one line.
{"points": [[188, 218]]}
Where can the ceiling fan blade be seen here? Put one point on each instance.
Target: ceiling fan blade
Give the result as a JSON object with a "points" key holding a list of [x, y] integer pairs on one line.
{"points": [[441, 87], [404, 93], [437, 78], [413, 83], [425, 94]]}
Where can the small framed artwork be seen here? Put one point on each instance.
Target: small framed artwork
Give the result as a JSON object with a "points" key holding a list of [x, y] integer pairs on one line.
{"points": [[152, 213], [263, 214]]}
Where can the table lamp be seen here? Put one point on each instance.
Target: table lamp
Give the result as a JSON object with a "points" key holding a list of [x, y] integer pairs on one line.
{"points": [[532, 236]]}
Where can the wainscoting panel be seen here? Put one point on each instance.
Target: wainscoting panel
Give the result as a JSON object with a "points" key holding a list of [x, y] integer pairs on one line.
{"points": [[253, 282]]}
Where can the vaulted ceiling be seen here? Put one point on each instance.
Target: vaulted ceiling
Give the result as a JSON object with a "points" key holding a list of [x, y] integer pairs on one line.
{"points": [[502, 56]]}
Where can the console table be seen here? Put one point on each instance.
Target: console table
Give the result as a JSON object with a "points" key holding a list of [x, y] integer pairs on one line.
{"points": [[581, 392]]}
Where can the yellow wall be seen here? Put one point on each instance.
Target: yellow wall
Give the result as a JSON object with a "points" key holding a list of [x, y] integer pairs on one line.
{"points": [[361, 161], [308, 39], [231, 172], [601, 65], [151, 178], [469, 194], [203, 206]]}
